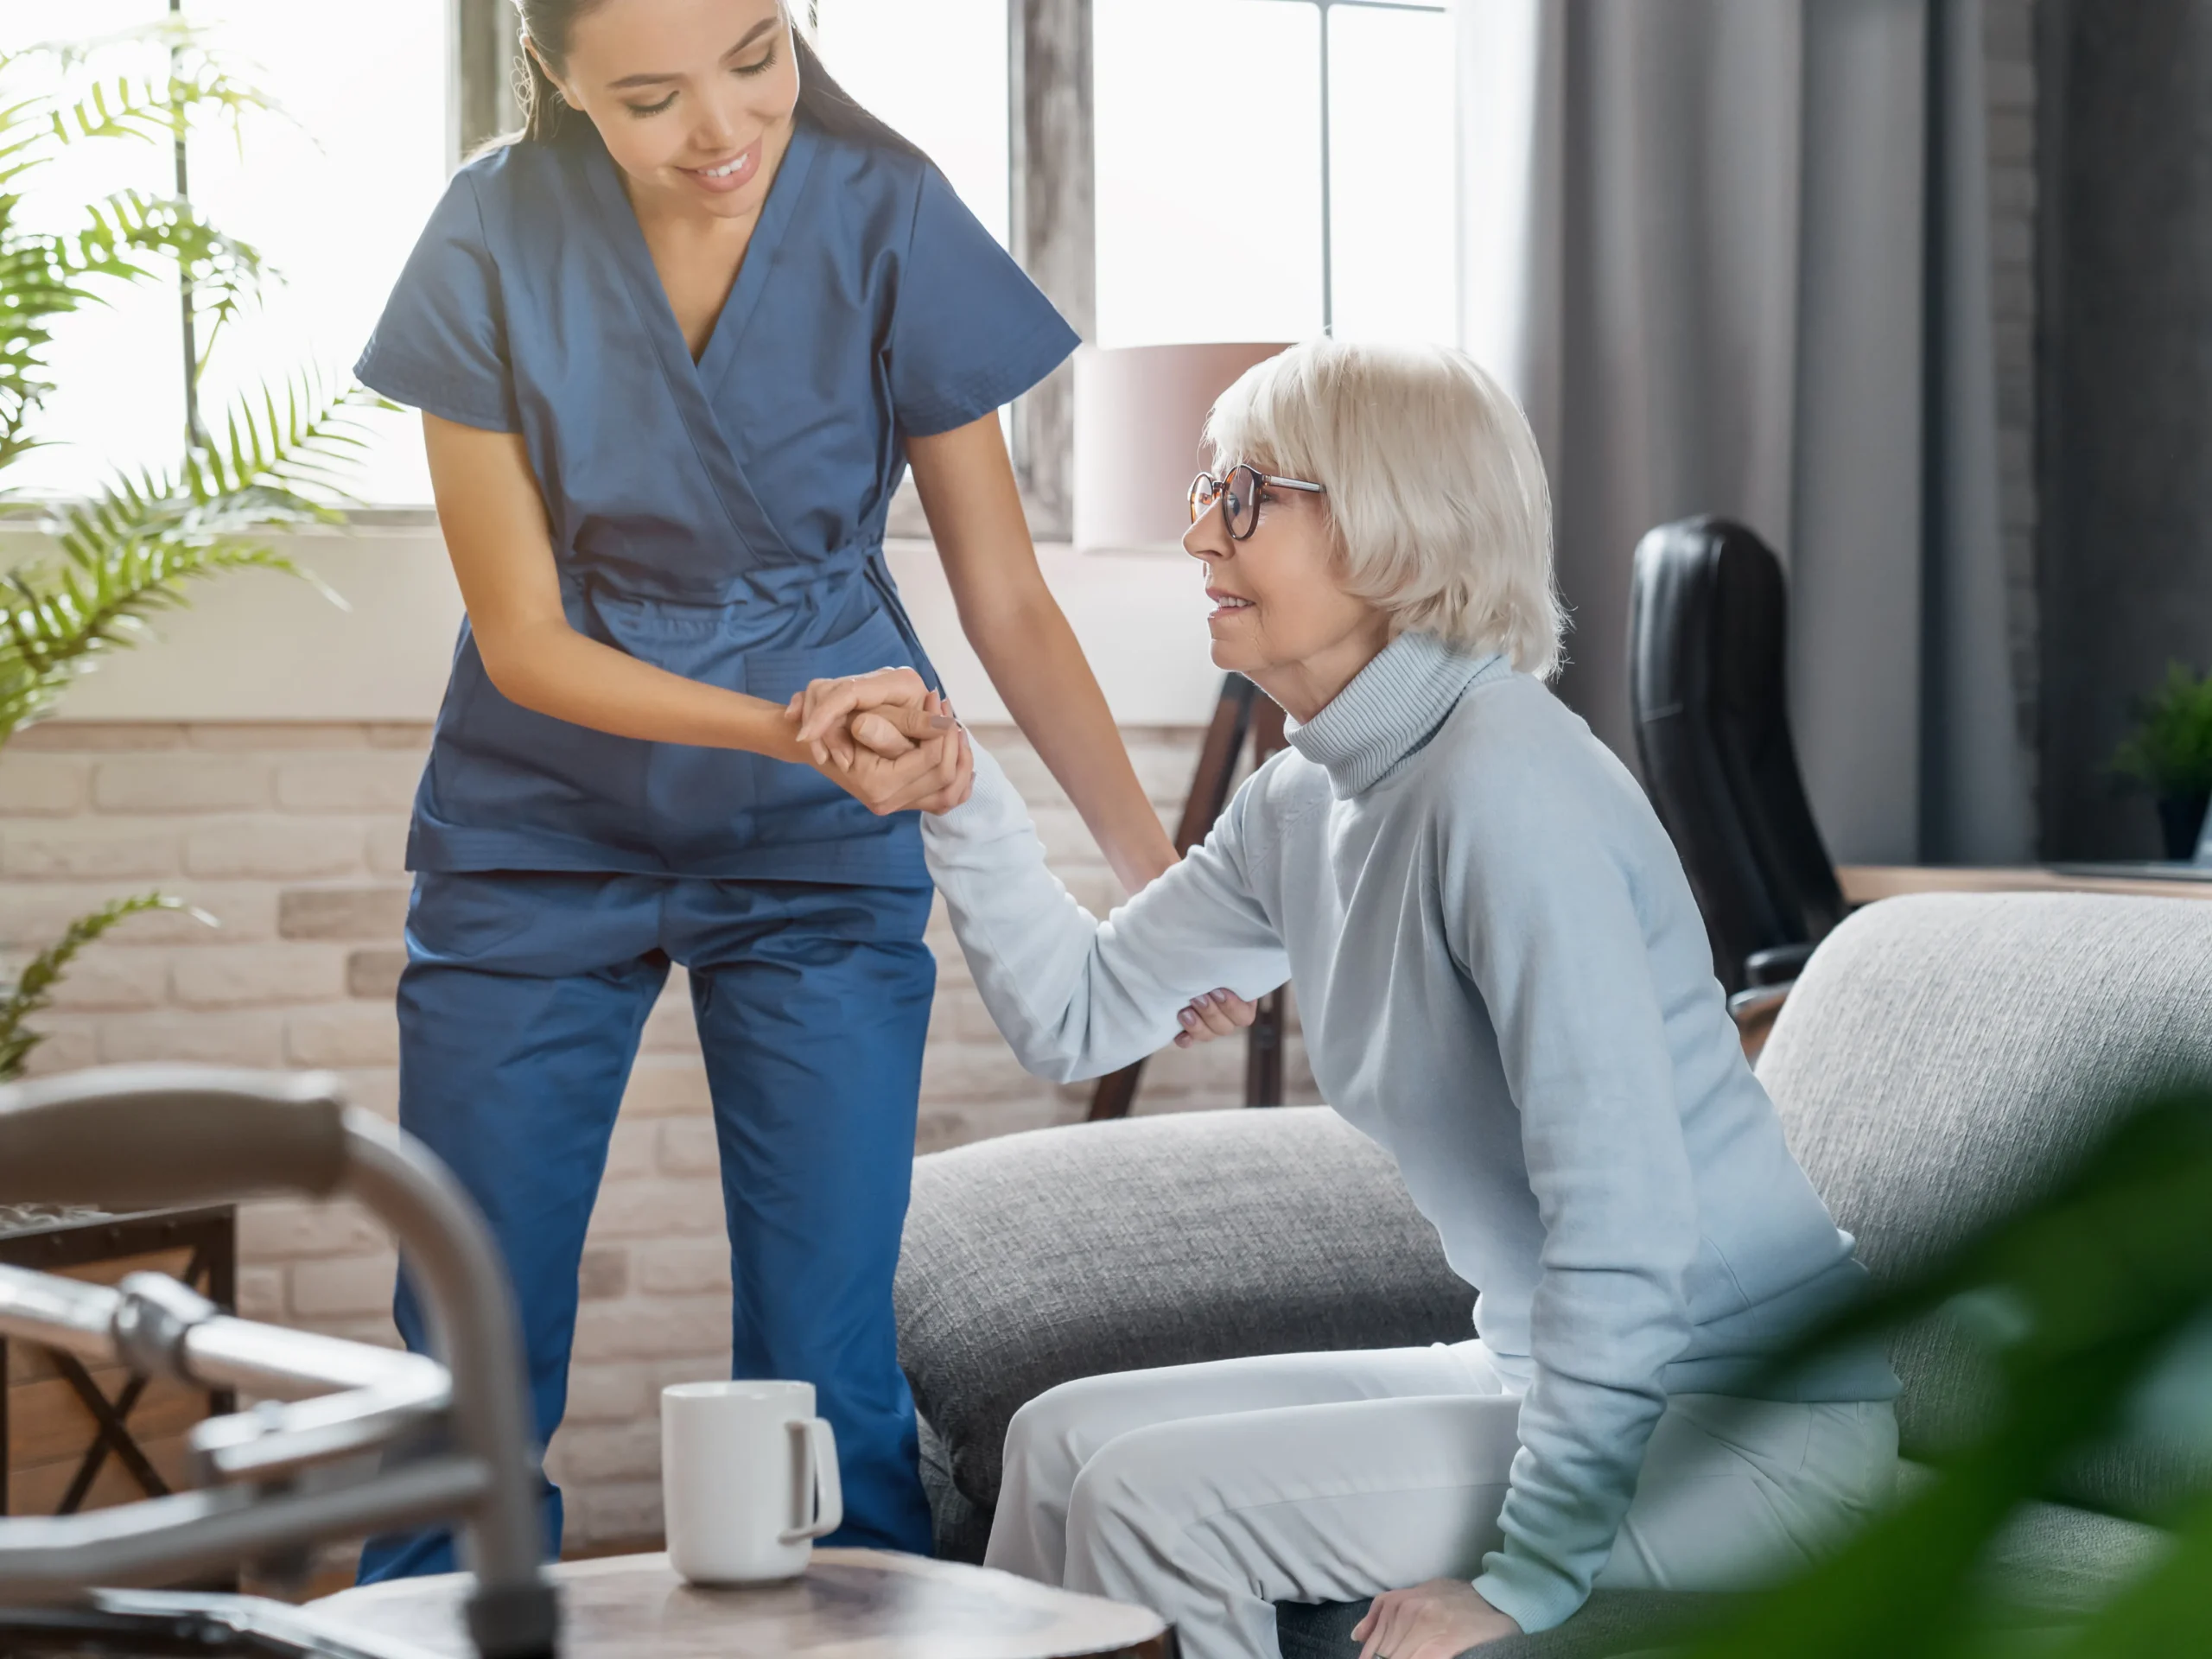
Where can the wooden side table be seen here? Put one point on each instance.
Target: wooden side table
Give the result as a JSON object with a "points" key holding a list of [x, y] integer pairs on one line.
{"points": [[851, 1604], [75, 1438], [1863, 884]]}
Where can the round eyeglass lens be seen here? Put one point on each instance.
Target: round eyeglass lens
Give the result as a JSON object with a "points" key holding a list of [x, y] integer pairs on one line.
{"points": [[1204, 489], [1241, 512]]}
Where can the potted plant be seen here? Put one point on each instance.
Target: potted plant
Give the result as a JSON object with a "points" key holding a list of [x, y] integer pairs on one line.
{"points": [[2170, 753], [135, 546]]}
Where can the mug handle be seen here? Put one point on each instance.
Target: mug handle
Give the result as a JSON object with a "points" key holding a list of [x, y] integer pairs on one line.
{"points": [[818, 1450]]}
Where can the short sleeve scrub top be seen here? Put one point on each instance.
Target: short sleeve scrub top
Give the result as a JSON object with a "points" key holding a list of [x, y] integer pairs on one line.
{"points": [[722, 519]]}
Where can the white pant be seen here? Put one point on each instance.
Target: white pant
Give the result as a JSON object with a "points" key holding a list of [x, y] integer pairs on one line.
{"points": [[1210, 1492]]}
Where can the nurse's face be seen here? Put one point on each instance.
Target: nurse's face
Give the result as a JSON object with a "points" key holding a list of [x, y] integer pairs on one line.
{"points": [[693, 97], [1282, 616]]}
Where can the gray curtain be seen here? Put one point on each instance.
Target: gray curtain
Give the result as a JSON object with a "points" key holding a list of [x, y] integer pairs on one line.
{"points": [[1733, 257]]}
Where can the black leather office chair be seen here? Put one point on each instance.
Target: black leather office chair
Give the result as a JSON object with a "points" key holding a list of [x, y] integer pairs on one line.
{"points": [[1708, 695]]}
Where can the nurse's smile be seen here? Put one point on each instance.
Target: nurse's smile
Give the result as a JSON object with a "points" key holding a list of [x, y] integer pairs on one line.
{"points": [[725, 176]]}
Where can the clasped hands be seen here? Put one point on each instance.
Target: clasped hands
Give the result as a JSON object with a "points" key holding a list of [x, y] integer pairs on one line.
{"points": [[893, 745], [885, 739]]}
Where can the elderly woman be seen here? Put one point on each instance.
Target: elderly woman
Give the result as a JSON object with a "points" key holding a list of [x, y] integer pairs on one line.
{"points": [[1503, 980]]}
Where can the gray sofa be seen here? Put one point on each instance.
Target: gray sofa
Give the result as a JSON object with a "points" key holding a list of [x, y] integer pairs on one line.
{"points": [[1940, 1056]]}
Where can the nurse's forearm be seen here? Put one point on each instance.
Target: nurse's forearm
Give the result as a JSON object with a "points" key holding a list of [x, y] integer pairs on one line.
{"points": [[1010, 616], [549, 668], [495, 531]]}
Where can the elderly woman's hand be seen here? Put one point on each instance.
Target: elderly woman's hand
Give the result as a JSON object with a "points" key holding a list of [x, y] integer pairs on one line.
{"points": [[1213, 1013], [1437, 1620]]}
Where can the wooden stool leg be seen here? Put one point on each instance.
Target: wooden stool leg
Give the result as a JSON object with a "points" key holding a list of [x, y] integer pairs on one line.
{"points": [[1232, 721], [1263, 1042]]}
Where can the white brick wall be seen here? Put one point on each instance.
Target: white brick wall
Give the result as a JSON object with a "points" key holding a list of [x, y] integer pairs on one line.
{"points": [[292, 837]]}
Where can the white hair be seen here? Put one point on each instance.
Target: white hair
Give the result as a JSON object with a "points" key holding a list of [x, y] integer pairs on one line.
{"points": [[1436, 492]]}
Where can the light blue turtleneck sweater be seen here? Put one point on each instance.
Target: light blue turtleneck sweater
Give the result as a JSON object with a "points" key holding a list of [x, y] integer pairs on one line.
{"points": [[1504, 981]]}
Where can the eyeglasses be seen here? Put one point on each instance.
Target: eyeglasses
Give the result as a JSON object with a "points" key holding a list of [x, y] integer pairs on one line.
{"points": [[1239, 495]]}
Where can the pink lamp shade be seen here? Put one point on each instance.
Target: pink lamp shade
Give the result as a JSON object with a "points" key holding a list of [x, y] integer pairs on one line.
{"points": [[1139, 410]]}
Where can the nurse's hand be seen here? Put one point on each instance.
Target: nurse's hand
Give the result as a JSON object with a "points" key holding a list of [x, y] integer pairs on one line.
{"points": [[826, 710]]}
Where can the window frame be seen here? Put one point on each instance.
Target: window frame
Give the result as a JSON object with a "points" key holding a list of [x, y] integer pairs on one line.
{"points": [[1327, 9], [483, 102], [1054, 230]]}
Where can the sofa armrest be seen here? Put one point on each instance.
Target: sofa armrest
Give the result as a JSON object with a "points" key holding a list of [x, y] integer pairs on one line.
{"points": [[1038, 1258], [1778, 965]]}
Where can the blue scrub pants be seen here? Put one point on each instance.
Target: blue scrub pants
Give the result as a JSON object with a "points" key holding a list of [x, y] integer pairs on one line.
{"points": [[520, 1011]]}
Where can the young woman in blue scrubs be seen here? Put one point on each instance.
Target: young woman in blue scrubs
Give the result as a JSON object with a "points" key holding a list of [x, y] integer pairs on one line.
{"points": [[675, 348]]}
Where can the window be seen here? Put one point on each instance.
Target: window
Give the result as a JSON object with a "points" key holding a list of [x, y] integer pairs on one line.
{"points": [[937, 74], [1267, 170], [333, 192]]}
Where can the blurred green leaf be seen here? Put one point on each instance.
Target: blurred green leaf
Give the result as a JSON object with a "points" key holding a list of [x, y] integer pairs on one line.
{"points": [[2076, 1300]]}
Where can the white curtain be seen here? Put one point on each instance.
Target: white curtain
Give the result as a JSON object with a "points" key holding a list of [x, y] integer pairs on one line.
{"points": [[1695, 242]]}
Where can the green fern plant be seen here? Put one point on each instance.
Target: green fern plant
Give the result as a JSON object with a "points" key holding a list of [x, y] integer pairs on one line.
{"points": [[141, 542]]}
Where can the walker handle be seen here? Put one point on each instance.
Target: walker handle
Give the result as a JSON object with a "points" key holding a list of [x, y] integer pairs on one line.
{"points": [[146, 1137]]}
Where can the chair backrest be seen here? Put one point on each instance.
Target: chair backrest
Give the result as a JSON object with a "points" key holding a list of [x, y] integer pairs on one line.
{"points": [[1943, 1057], [1710, 701]]}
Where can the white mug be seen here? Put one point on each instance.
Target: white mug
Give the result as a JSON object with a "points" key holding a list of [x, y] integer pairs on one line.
{"points": [[748, 1478]]}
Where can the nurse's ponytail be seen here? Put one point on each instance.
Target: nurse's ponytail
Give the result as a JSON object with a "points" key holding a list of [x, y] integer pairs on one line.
{"points": [[543, 106], [545, 25]]}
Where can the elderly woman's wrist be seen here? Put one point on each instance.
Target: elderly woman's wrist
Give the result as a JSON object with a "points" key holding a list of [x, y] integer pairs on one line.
{"points": [[1142, 861]]}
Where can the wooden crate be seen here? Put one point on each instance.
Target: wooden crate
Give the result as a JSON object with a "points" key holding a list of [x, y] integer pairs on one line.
{"points": [[76, 1437]]}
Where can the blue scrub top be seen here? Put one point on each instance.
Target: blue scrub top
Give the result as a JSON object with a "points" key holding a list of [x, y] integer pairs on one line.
{"points": [[722, 519]]}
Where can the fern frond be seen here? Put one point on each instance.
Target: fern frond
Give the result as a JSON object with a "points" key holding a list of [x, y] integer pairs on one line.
{"points": [[33, 987], [37, 284], [59, 619], [151, 107], [126, 228], [278, 447], [133, 549]]}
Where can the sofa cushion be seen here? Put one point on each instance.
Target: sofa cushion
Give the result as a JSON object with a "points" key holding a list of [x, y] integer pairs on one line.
{"points": [[1037, 1258], [1943, 1057], [960, 1528], [2055, 1558]]}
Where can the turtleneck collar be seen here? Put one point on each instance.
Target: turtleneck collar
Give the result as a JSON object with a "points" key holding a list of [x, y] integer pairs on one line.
{"points": [[1390, 708]]}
